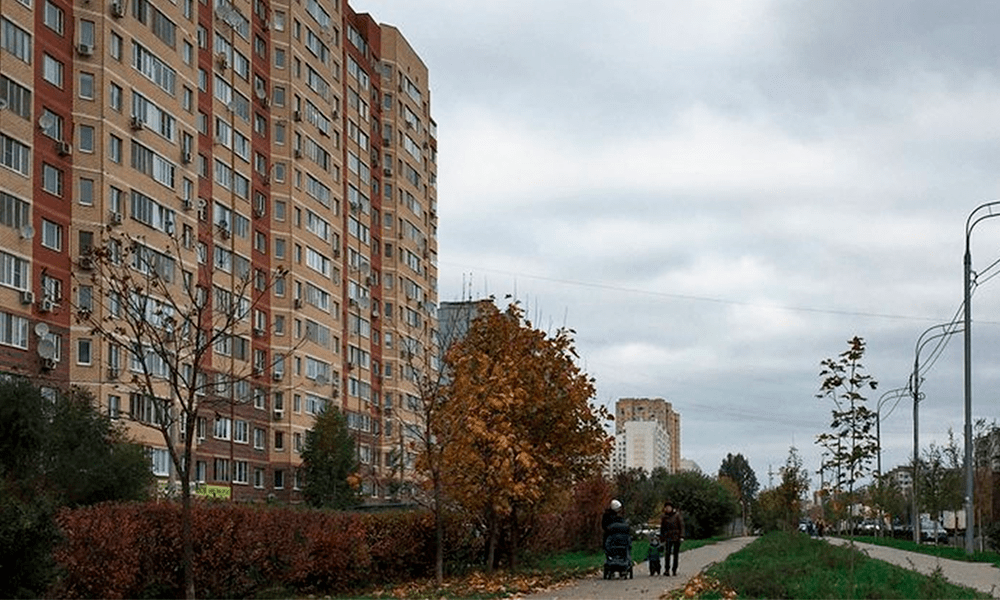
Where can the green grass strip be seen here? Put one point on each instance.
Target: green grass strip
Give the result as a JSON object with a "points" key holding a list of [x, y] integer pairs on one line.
{"points": [[792, 565]]}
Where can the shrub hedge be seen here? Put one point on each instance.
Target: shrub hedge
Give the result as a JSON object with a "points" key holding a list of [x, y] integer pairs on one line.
{"points": [[134, 550]]}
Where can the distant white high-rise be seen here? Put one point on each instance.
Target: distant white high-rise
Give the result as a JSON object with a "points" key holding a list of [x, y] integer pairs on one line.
{"points": [[647, 435]]}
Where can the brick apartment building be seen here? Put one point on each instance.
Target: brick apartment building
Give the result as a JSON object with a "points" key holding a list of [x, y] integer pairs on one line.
{"points": [[254, 137]]}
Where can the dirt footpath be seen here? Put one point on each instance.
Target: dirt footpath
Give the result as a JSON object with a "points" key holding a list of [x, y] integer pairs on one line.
{"points": [[643, 586]]}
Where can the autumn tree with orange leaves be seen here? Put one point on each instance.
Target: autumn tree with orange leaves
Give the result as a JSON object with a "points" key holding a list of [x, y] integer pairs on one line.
{"points": [[519, 423]]}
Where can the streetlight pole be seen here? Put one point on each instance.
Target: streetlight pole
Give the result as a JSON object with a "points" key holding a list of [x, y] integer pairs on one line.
{"points": [[895, 394], [930, 334], [984, 211]]}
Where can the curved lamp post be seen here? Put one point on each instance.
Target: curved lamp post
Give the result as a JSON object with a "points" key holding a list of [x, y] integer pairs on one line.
{"points": [[980, 213], [895, 394], [930, 334]]}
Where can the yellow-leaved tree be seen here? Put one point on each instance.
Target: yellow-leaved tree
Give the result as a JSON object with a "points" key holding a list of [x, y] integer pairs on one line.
{"points": [[519, 423]]}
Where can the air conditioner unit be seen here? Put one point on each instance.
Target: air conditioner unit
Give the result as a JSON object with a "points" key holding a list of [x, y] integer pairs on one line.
{"points": [[112, 373], [115, 218], [86, 263], [297, 153], [187, 204], [297, 303], [85, 50], [278, 375], [258, 212], [223, 230], [223, 61], [48, 364], [297, 116], [27, 297], [117, 10], [186, 158], [46, 305], [136, 123], [278, 413], [258, 332], [387, 172], [352, 303], [63, 148]]}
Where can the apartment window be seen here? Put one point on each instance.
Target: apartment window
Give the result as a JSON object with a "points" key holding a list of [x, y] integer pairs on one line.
{"points": [[86, 86], [115, 149], [14, 155], [115, 47], [115, 97], [279, 479], [52, 70], [85, 297], [85, 139], [114, 406], [223, 428], [258, 478], [15, 40], [51, 124], [83, 352], [17, 96], [221, 469], [52, 180], [161, 461], [51, 235], [13, 331], [187, 98], [53, 17], [240, 471], [14, 212], [241, 432], [259, 435], [86, 32], [200, 471], [279, 58], [279, 440]]}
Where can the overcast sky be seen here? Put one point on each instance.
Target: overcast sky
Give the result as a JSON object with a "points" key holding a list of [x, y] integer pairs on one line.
{"points": [[716, 196]]}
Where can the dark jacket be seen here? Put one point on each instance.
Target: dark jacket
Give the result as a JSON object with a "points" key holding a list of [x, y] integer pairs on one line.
{"points": [[671, 527], [610, 516]]}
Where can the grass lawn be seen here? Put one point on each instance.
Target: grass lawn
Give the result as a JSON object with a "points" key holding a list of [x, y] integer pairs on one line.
{"points": [[942, 551], [792, 565]]}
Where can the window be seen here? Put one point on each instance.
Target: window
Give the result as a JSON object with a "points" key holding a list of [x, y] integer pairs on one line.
{"points": [[223, 427], [221, 469], [85, 139], [52, 180], [15, 40], [13, 271], [279, 479], [51, 235], [52, 70], [157, 71], [258, 478], [161, 461], [240, 471], [86, 86], [83, 352], [259, 435], [17, 96], [86, 34], [115, 97], [13, 331], [14, 155], [14, 212], [51, 124], [279, 440], [53, 17], [114, 406], [115, 47], [241, 432], [115, 149], [85, 297]]}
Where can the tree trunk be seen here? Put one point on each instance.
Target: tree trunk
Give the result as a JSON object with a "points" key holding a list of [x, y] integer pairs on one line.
{"points": [[438, 534], [491, 542], [513, 539], [187, 552]]}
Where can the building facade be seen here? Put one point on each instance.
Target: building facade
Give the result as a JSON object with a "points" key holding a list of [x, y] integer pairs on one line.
{"points": [[285, 144], [647, 432]]}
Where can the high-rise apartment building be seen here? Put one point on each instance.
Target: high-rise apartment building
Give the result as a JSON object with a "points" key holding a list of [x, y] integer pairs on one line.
{"points": [[647, 433], [226, 139]]}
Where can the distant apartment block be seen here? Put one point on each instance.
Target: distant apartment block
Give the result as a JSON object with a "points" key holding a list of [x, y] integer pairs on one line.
{"points": [[647, 435], [256, 137]]}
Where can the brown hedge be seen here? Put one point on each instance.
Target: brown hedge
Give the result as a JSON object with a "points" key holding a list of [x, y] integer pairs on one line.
{"points": [[133, 550]]}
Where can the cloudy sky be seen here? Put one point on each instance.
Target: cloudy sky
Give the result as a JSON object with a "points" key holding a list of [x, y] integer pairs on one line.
{"points": [[717, 195]]}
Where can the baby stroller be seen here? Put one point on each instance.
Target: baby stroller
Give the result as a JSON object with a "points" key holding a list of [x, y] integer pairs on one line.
{"points": [[618, 551]]}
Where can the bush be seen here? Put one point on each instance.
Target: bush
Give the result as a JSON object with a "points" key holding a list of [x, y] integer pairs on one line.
{"points": [[133, 550]]}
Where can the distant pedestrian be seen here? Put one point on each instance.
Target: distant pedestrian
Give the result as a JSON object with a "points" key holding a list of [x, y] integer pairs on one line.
{"points": [[653, 555], [672, 534], [820, 527]]}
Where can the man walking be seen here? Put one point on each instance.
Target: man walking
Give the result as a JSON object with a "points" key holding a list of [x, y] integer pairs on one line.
{"points": [[671, 534]]}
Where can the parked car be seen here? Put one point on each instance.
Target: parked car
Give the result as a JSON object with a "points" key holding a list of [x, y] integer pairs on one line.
{"points": [[933, 532]]}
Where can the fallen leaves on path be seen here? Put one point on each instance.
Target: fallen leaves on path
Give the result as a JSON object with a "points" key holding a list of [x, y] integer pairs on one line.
{"points": [[700, 585], [481, 585]]}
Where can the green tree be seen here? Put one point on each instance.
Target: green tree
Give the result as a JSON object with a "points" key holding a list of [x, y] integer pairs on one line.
{"points": [[54, 452], [330, 462], [635, 490], [704, 503], [851, 441], [941, 481], [738, 470], [791, 492], [527, 431], [884, 494]]}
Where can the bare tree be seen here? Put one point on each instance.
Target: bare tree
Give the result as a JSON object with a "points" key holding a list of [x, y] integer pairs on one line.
{"points": [[178, 334]]}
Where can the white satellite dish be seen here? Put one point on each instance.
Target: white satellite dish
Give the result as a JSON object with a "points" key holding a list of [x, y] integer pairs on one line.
{"points": [[321, 379], [46, 121], [41, 329], [27, 232], [46, 348]]}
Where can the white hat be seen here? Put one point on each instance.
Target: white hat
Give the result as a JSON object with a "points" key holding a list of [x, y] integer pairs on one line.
{"points": [[616, 505]]}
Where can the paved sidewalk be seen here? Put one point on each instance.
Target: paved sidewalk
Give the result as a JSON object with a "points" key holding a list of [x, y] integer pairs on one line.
{"points": [[643, 586], [980, 576]]}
